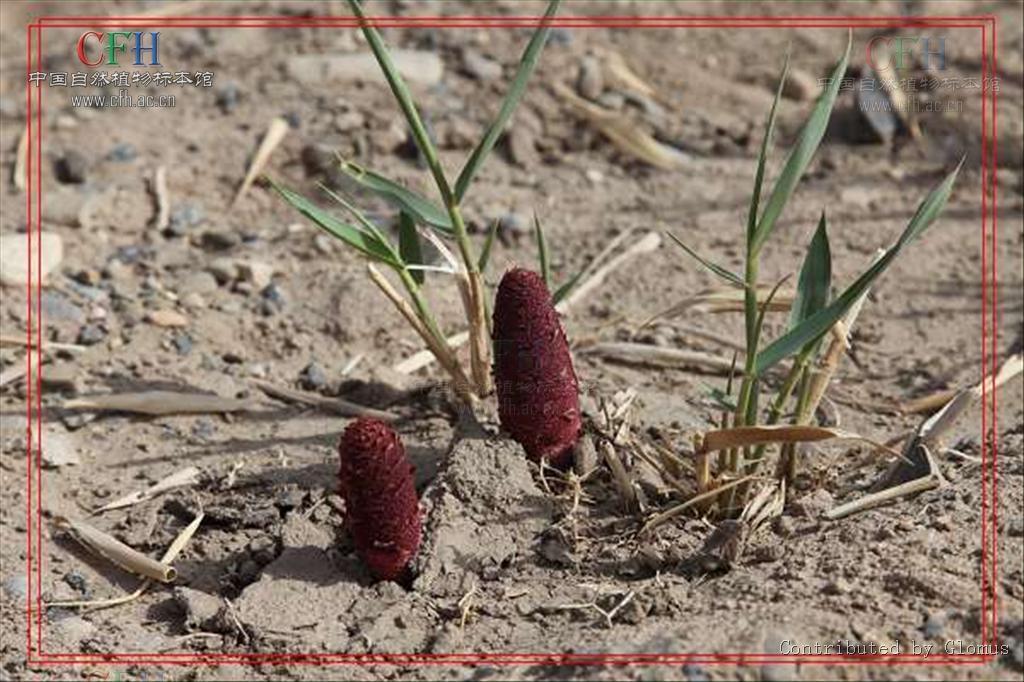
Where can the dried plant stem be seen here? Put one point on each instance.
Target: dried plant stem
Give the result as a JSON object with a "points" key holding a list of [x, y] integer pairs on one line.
{"points": [[275, 134], [649, 243], [870, 501], [336, 405], [480, 342], [475, 306], [169, 556], [160, 198], [20, 176], [622, 481], [675, 511], [818, 379], [435, 341], [117, 552]]}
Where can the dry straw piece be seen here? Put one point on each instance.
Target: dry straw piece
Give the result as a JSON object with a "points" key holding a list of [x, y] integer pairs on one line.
{"points": [[271, 139], [657, 356], [167, 559], [344, 408], [159, 403], [183, 477], [116, 552]]}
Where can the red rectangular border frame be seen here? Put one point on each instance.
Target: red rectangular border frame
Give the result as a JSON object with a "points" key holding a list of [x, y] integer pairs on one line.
{"points": [[36, 654]]}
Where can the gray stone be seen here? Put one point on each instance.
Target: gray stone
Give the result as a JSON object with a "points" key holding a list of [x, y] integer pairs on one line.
{"points": [[202, 611], [313, 377], [219, 240], [480, 67], [14, 257], [416, 66], [16, 586], [123, 152], [197, 283], [59, 449], [224, 270], [590, 80], [61, 376], [72, 167], [57, 308], [91, 334]]}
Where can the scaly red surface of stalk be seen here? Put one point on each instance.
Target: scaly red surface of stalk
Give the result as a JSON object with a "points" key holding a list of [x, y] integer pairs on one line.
{"points": [[538, 394], [382, 510]]}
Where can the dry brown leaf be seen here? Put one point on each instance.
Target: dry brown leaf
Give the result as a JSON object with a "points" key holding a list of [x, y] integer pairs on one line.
{"points": [[658, 356], [623, 133], [183, 477], [159, 403], [115, 551], [724, 301], [745, 436], [275, 134]]}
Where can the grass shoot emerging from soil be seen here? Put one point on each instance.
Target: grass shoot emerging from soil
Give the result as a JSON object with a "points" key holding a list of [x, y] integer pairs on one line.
{"points": [[419, 217], [815, 338]]}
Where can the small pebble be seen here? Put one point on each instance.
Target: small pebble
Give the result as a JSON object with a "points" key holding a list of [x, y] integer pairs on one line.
{"points": [[123, 152], [184, 218], [77, 582], [934, 624], [16, 586], [182, 343], [511, 227], [91, 334], [836, 587], [224, 270], [313, 377], [590, 80], [227, 97], [167, 318], [258, 273], [480, 67], [72, 168], [219, 240]]}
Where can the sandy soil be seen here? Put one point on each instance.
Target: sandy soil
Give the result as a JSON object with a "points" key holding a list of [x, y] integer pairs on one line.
{"points": [[504, 559]]}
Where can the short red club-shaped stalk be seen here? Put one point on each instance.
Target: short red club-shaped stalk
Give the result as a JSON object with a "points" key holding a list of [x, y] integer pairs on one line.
{"points": [[382, 510], [538, 395]]}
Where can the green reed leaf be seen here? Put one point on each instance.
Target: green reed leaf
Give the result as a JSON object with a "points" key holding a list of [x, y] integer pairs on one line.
{"points": [[368, 243], [527, 63], [722, 272], [800, 156], [812, 289], [409, 246], [818, 324], [419, 207]]}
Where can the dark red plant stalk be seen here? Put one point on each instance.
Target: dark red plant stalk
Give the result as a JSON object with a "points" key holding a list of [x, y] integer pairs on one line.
{"points": [[382, 510], [538, 396]]}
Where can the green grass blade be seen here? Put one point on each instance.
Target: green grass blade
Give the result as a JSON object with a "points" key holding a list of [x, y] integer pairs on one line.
{"points": [[485, 254], [403, 198], [542, 251], [818, 324], [721, 398], [766, 142], [409, 246], [759, 324], [800, 156], [566, 288], [368, 244], [405, 102], [717, 269], [526, 66], [815, 282]]}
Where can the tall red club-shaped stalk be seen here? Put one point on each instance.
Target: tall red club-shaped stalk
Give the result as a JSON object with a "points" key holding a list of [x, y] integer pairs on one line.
{"points": [[382, 510], [538, 394]]}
